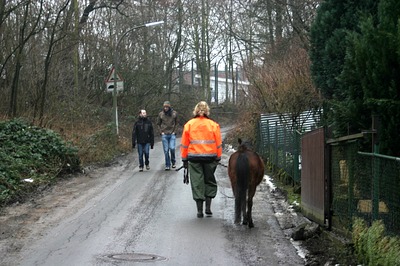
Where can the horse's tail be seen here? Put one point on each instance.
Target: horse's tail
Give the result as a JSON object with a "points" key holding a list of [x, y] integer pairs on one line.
{"points": [[242, 175]]}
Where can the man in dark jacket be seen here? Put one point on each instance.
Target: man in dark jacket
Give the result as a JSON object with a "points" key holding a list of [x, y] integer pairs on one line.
{"points": [[143, 135]]}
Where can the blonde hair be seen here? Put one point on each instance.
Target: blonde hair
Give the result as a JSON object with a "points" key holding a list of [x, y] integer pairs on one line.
{"points": [[201, 109]]}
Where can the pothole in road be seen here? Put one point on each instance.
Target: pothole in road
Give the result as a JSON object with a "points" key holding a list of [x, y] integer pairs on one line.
{"points": [[135, 257]]}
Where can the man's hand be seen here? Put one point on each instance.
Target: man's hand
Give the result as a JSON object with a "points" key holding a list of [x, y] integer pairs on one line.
{"points": [[151, 146]]}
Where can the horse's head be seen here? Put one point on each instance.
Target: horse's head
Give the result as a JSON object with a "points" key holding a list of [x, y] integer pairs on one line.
{"points": [[242, 145]]}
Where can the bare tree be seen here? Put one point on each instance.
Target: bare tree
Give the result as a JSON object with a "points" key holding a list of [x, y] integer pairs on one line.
{"points": [[56, 64], [28, 26], [55, 37], [285, 86]]}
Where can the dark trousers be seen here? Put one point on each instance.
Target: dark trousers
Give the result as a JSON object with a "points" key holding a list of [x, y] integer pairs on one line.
{"points": [[202, 179], [143, 149]]}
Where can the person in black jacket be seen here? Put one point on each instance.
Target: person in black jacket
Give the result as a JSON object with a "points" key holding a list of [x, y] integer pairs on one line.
{"points": [[143, 135]]}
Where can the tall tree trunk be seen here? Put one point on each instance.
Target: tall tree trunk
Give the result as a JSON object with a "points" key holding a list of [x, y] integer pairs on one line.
{"points": [[12, 111], [270, 26], [230, 55], [76, 48], [205, 50], [175, 52], [23, 38], [47, 62], [2, 10]]}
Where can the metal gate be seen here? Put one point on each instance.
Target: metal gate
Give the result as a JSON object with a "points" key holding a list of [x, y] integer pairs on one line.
{"points": [[314, 202]]}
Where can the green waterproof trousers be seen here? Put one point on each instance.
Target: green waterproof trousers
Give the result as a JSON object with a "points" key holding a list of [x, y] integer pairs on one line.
{"points": [[202, 179]]}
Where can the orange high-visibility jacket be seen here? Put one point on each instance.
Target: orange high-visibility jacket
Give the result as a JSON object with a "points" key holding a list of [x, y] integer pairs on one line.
{"points": [[201, 140]]}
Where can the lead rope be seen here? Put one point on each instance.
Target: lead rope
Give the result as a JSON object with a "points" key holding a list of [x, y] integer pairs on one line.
{"points": [[186, 176]]}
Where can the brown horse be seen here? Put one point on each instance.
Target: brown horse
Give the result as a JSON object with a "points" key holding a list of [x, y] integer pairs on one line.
{"points": [[246, 171]]}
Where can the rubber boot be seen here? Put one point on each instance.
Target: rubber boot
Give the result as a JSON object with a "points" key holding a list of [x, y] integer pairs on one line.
{"points": [[208, 206], [199, 208]]}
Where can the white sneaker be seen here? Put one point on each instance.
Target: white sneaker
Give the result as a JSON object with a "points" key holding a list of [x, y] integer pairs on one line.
{"points": [[147, 167]]}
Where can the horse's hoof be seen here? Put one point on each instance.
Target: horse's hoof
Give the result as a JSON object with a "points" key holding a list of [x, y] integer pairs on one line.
{"points": [[200, 215], [208, 213]]}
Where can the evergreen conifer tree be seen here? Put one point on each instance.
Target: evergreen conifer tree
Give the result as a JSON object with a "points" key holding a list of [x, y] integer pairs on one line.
{"points": [[355, 54]]}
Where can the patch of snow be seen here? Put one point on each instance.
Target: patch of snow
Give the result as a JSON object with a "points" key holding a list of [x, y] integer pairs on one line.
{"points": [[300, 250], [229, 148], [296, 203], [268, 180]]}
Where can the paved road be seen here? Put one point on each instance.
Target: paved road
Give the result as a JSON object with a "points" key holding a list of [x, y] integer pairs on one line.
{"points": [[150, 218]]}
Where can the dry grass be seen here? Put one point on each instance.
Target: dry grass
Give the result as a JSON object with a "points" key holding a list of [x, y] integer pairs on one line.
{"points": [[97, 141]]}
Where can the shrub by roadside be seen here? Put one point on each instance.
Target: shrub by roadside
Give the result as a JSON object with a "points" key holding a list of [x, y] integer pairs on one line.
{"points": [[31, 157], [373, 246], [102, 146]]}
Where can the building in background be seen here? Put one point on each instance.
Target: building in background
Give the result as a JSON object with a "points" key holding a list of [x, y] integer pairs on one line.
{"points": [[224, 88]]}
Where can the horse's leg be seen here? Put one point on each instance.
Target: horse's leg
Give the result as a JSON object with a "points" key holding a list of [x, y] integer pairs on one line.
{"points": [[237, 200], [240, 170], [245, 217], [249, 208], [237, 209], [252, 192]]}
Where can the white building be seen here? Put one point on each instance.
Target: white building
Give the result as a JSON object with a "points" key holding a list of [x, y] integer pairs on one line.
{"points": [[225, 89]]}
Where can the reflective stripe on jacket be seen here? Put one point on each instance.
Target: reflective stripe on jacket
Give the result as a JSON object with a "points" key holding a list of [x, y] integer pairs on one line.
{"points": [[201, 140]]}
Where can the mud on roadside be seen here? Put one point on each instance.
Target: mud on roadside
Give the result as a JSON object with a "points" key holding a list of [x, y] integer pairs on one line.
{"points": [[323, 248]]}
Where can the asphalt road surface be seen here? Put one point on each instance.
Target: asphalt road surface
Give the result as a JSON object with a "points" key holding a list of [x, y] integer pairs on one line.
{"points": [[127, 217]]}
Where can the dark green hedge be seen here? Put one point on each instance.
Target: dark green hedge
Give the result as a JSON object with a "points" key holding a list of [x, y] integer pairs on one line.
{"points": [[31, 156]]}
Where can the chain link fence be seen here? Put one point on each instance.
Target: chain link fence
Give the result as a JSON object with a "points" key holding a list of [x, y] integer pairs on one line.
{"points": [[279, 141], [364, 185]]}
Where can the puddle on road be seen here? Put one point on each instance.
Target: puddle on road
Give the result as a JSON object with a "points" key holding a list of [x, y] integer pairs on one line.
{"points": [[134, 257]]}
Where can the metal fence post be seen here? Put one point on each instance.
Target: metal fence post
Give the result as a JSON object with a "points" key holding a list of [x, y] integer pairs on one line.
{"points": [[350, 188], [276, 146], [375, 183], [268, 142], [296, 170]]}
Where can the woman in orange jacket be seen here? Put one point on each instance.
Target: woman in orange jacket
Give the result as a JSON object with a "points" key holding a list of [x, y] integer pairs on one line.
{"points": [[201, 150]]}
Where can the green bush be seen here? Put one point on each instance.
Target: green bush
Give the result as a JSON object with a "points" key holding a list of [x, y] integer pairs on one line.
{"points": [[373, 246], [31, 156]]}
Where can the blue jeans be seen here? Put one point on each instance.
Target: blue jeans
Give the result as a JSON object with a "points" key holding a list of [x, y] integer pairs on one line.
{"points": [[143, 149], [168, 142]]}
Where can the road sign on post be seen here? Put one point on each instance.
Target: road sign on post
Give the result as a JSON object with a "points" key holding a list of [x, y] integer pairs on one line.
{"points": [[110, 86], [110, 82], [114, 77], [111, 76]]}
